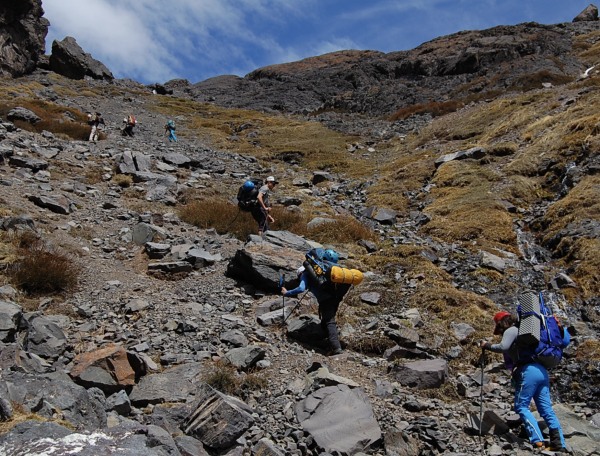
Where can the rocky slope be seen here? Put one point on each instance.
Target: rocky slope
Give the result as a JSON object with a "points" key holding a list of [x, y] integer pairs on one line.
{"points": [[172, 343]]}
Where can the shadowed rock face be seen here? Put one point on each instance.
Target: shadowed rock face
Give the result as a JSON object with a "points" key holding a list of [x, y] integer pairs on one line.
{"points": [[23, 33], [69, 60]]}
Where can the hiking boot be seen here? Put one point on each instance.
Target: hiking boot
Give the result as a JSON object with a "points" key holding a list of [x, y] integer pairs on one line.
{"points": [[555, 442], [337, 351], [538, 445]]}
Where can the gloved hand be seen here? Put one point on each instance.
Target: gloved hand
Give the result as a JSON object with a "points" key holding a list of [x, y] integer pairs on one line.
{"points": [[484, 343]]}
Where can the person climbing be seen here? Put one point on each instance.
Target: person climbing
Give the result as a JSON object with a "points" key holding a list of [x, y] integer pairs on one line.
{"points": [[129, 122], [170, 127], [94, 120], [262, 211], [329, 298], [531, 381]]}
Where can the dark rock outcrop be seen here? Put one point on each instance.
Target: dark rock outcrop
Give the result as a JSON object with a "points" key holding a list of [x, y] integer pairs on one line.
{"points": [[69, 60], [588, 14], [23, 33], [377, 83]]}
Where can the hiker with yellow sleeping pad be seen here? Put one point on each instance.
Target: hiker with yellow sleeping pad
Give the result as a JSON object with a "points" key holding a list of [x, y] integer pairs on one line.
{"points": [[329, 283]]}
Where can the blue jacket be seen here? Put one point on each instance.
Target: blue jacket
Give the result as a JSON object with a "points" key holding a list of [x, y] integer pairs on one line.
{"points": [[306, 282]]}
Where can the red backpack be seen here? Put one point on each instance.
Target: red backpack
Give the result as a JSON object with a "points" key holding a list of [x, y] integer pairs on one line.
{"points": [[131, 120]]}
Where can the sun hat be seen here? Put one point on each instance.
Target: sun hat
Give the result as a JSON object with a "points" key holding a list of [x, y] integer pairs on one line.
{"points": [[499, 316], [272, 179], [300, 270]]}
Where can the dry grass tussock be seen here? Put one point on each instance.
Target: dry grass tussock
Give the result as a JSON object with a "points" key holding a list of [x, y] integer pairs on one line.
{"points": [[465, 207], [582, 203], [225, 378], [226, 218], [40, 268], [53, 118], [20, 416], [589, 351], [406, 172], [434, 108]]}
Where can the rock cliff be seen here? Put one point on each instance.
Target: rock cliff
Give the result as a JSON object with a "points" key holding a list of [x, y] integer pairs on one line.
{"points": [[22, 36]]}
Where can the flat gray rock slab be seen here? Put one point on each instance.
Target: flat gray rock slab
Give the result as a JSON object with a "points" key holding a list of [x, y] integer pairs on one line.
{"points": [[173, 385], [422, 374], [473, 153], [286, 239], [339, 419]]}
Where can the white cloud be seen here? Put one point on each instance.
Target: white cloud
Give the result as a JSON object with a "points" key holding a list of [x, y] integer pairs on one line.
{"points": [[155, 40]]}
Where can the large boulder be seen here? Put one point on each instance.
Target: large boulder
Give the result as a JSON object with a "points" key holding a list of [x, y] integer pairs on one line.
{"points": [[588, 14], [24, 115], [340, 419], [421, 374], [56, 203], [131, 162], [56, 393], [245, 357], [45, 338], [262, 264], [218, 420], [23, 33], [10, 315], [107, 368], [69, 60]]}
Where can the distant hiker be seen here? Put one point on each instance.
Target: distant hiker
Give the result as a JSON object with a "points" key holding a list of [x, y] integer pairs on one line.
{"points": [[170, 127], [531, 381], [94, 120], [261, 212], [329, 297], [129, 122]]}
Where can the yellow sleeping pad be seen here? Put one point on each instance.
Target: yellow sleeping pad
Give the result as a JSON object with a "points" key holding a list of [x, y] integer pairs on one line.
{"points": [[346, 276]]}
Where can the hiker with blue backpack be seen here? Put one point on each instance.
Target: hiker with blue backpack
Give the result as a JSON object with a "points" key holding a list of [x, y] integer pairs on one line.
{"points": [[532, 342], [170, 127], [329, 283], [262, 209]]}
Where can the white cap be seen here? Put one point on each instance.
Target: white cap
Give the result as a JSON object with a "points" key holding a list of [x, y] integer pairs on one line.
{"points": [[300, 270], [272, 179]]}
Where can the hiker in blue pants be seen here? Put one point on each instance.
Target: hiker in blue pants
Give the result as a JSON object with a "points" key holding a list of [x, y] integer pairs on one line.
{"points": [[170, 127], [531, 381]]}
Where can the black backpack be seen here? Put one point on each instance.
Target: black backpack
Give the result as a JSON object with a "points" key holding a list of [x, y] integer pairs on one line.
{"points": [[247, 195]]}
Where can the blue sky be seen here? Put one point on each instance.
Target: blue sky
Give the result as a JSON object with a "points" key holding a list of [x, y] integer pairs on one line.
{"points": [[158, 40]]}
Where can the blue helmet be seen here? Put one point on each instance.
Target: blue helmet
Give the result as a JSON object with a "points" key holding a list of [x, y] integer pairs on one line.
{"points": [[331, 256], [248, 186]]}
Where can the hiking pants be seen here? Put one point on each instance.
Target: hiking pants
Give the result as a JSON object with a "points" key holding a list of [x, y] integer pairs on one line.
{"points": [[172, 136], [260, 215], [327, 311], [532, 382], [128, 130], [94, 133]]}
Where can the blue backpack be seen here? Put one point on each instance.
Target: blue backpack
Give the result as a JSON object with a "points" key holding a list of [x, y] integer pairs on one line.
{"points": [[548, 352]]}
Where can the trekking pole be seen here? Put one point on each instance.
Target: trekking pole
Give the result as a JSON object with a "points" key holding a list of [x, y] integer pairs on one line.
{"points": [[283, 301], [234, 219], [285, 318], [481, 395]]}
